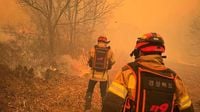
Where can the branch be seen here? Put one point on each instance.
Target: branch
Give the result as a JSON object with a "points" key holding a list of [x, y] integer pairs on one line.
{"points": [[85, 6], [61, 12], [31, 3]]}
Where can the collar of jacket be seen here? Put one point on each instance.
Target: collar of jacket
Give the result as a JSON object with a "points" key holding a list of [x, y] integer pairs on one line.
{"points": [[151, 61]]}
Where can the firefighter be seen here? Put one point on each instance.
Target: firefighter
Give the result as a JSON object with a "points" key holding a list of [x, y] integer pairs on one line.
{"points": [[100, 60], [147, 85]]}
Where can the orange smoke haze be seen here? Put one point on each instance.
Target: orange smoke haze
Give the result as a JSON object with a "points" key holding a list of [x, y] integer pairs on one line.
{"points": [[11, 14], [170, 18]]}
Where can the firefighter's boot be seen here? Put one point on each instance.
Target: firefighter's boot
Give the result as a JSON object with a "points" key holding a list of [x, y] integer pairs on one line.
{"points": [[88, 100]]}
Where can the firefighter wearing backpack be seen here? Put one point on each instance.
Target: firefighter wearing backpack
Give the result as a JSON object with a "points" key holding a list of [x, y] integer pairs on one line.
{"points": [[100, 61], [147, 85]]}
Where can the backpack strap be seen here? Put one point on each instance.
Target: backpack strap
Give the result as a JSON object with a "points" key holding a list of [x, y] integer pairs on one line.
{"points": [[134, 66], [173, 72]]}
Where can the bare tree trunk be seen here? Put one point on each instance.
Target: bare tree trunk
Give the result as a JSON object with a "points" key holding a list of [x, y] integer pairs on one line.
{"points": [[74, 29]]}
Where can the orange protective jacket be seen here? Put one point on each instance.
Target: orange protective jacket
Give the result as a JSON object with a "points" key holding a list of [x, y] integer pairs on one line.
{"points": [[123, 87]]}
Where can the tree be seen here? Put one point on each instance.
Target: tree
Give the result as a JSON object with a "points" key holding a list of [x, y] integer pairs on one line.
{"points": [[24, 48], [49, 13], [82, 19], [76, 20]]}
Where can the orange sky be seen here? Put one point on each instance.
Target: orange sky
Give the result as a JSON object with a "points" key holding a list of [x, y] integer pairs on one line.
{"points": [[170, 18], [164, 16]]}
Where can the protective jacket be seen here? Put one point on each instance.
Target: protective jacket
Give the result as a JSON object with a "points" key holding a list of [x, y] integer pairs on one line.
{"points": [[100, 60], [147, 85]]}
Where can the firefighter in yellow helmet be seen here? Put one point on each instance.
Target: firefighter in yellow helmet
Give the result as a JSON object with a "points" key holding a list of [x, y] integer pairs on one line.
{"points": [[100, 60], [147, 85]]}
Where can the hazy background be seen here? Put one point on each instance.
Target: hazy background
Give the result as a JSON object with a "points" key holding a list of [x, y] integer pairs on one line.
{"points": [[171, 18]]}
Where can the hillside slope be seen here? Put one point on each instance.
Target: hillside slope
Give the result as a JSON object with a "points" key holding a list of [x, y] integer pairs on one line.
{"points": [[66, 92]]}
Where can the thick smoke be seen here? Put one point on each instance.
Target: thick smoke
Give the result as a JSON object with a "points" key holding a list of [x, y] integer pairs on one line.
{"points": [[170, 18]]}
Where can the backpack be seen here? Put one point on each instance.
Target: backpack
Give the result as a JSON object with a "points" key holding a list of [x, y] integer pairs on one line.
{"points": [[155, 89], [100, 61]]}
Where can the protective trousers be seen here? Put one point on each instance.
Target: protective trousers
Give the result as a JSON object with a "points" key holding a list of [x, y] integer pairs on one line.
{"points": [[91, 85]]}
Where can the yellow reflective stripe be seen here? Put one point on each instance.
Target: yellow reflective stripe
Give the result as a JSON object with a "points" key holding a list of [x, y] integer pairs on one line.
{"points": [[186, 105], [132, 82], [185, 102], [118, 89]]}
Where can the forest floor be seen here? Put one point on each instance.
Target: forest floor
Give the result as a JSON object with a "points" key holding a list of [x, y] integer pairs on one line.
{"points": [[66, 92], [58, 93]]}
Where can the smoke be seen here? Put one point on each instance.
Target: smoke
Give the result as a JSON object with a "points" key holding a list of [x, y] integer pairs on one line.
{"points": [[170, 18], [11, 14]]}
